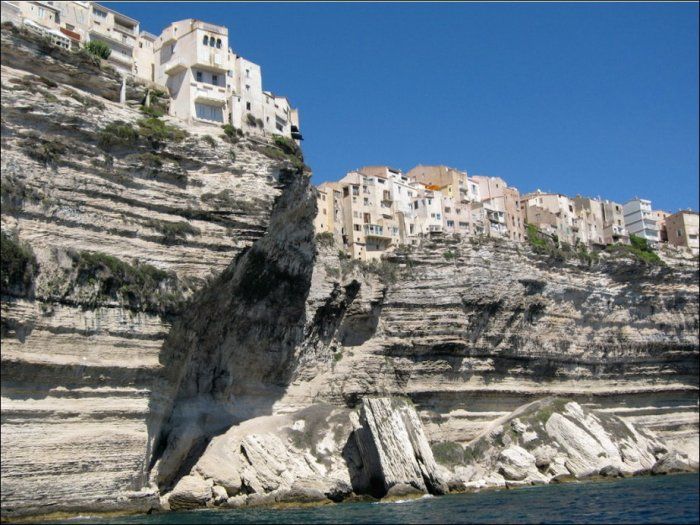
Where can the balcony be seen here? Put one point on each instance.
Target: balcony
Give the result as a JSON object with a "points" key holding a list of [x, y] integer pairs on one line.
{"points": [[102, 33], [375, 230], [386, 197], [496, 217], [174, 66], [209, 94], [211, 60], [131, 31]]}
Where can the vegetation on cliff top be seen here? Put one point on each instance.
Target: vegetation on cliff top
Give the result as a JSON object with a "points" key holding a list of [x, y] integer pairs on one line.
{"points": [[638, 248]]}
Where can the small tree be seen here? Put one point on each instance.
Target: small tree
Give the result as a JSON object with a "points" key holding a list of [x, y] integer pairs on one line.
{"points": [[98, 48]]}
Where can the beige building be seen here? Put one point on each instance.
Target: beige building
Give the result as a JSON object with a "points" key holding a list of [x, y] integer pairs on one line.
{"points": [[370, 225], [118, 31], [552, 213], [458, 193], [682, 229], [42, 18], [330, 211], [502, 212], [660, 217], [591, 220], [72, 24], [614, 230], [144, 56]]}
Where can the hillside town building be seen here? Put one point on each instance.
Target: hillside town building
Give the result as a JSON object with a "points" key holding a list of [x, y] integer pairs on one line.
{"points": [[641, 221], [375, 209], [683, 230], [208, 83]]}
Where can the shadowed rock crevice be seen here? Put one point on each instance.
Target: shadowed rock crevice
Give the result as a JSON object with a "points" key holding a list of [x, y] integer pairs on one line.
{"points": [[233, 353]]}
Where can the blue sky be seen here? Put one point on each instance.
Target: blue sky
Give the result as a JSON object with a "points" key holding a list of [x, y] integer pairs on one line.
{"points": [[596, 99]]}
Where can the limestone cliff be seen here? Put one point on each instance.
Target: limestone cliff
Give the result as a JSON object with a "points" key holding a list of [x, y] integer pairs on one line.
{"points": [[125, 217], [171, 328]]}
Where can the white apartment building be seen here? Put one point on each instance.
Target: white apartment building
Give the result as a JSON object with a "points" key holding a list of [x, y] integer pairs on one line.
{"points": [[192, 60], [640, 220], [207, 82]]}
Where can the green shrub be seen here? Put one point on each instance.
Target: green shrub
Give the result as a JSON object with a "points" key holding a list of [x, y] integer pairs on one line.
{"points": [[209, 140], [18, 264], [157, 132], [88, 102], [153, 111], [325, 239], [140, 286], [232, 132], [117, 133], [98, 49], [173, 232], [288, 146], [46, 151], [638, 248], [449, 255], [385, 270], [448, 453], [534, 238], [232, 155]]}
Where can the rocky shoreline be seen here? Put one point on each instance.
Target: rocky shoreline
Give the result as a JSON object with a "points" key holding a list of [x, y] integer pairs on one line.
{"points": [[331, 455]]}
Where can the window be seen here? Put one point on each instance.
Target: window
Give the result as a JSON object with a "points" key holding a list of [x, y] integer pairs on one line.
{"points": [[247, 87], [448, 209], [172, 49], [205, 40], [247, 106], [206, 112], [99, 14], [678, 233], [199, 76], [380, 181], [218, 43], [450, 224], [215, 80], [366, 202], [356, 227]]}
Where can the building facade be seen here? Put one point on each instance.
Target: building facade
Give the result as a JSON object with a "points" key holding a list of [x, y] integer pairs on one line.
{"points": [[502, 208], [554, 214], [207, 82], [640, 221], [682, 230]]}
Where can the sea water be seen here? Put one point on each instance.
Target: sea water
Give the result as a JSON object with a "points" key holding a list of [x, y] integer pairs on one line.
{"points": [[647, 499]]}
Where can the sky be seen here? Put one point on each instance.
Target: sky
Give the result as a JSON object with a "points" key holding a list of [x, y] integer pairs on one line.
{"points": [[597, 99]]}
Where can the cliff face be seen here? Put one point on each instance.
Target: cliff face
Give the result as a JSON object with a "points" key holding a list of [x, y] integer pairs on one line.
{"points": [[172, 327], [472, 330], [126, 217]]}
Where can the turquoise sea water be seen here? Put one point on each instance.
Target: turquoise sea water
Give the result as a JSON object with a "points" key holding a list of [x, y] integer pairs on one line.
{"points": [[662, 499]]}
